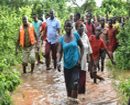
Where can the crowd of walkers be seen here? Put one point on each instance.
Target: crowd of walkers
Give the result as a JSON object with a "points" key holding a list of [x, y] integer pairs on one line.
{"points": [[86, 40]]}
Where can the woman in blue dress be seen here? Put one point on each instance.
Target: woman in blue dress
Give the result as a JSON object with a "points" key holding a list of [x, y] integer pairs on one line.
{"points": [[68, 44]]}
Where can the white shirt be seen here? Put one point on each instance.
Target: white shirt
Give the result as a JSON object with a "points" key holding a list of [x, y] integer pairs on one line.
{"points": [[87, 46], [87, 50]]}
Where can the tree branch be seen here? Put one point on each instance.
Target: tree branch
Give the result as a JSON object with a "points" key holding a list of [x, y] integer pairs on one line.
{"points": [[75, 3]]}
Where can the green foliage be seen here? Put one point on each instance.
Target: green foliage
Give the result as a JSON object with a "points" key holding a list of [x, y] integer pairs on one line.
{"points": [[37, 8], [89, 6], [109, 5], [108, 63], [9, 29], [124, 88], [9, 80], [114, 7], [99, 10], [58, 5], [123, 52]]}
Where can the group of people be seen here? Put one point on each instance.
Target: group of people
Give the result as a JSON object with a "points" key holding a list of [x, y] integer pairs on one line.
{"points": [[31, 37], [85, 41]]}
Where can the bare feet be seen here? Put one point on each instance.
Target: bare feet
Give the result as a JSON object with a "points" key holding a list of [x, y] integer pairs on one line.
{"points": [[48, 68], [41, 62]]}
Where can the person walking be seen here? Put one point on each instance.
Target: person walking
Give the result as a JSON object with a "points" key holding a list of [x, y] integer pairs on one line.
{"points": [[76, 18], [53, 27], [68, 44], [37, 26], [107, 18], [83, 18], [97, 23], [44, 39], [97, 43], [89, 26], [105, 37], [112, 38], [72, 17], [27, 36], [87, 51]]}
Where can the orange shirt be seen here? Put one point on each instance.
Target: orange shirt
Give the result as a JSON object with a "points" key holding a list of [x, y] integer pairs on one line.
{"points": [[43, 29], [96, 45]]}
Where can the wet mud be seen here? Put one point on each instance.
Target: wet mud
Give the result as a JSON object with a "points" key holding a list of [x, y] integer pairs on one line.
{"points": [[47, 87]]}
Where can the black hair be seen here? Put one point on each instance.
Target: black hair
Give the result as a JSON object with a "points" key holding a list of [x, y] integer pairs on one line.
{"points": [[68, 20], [47, 15], [35, 14], [110, 19], [78, 14], [90, 14]]}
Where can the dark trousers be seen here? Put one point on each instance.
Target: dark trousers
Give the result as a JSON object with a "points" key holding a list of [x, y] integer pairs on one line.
{"points": [[82, 83], [53, 48], [72, 77]]}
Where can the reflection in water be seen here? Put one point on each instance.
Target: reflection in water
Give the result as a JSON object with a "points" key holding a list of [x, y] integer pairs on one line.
{"points": [[48, 88]]}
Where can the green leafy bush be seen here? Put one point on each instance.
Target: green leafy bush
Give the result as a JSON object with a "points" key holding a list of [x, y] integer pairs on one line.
{"points": [[9, 29], [122, 57], [10, 22], [9, 80], [124, 88]]}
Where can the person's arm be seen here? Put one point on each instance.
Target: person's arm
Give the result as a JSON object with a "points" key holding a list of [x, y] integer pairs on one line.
{"points": [[58, 30], [59, 34], [18, 41], [44, 34], [113, 62], [41, 27], [91, 56], [105, 48], [37, 39], [107, 38], [94, 28], [90, 50], [80, 44], [85, 29], [59, 57]]}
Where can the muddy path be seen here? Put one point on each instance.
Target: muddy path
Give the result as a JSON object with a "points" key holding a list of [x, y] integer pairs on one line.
{"points": [[48, 88]]}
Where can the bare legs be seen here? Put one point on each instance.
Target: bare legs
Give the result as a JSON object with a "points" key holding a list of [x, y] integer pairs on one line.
{"points": [[32, 68]]}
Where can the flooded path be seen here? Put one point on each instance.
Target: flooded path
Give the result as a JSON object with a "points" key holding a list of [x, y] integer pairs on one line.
{"points": [[48, 88]]}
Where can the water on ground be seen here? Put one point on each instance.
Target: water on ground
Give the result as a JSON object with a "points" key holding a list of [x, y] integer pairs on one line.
{"points": [[48, 88]]}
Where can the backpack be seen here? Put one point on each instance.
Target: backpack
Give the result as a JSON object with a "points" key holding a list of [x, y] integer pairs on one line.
{"points": [[93, 31]]}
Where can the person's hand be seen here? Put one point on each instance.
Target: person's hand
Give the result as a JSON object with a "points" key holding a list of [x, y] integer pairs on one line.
{"points": [[92, 62], [16, 53], [37, 49], [57, 43], [42, 42], [113, 62], [42, 37], [59, 67], [37, 46], [78, 63], [39, 34], [114, 29]]}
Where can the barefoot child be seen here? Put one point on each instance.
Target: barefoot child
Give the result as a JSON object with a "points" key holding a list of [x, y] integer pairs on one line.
{"points": [[97, 43]]}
